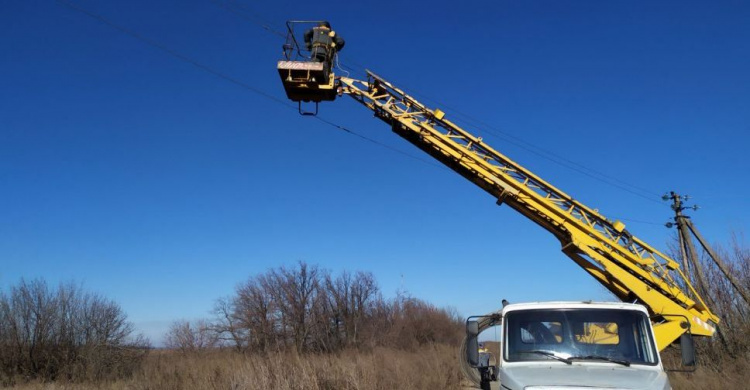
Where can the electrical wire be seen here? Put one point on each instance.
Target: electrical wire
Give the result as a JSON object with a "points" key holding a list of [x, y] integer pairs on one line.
{"points": [[549, 155], [487, 128], [508, 137], [172, 52], [244, 12], [342, 128], [240, 10], [526, 145], [231, 79], [531, 147], [638, 221], [556, 158]]}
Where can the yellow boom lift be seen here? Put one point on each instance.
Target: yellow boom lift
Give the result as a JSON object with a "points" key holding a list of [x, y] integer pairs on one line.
{"points": [[628, 267]]}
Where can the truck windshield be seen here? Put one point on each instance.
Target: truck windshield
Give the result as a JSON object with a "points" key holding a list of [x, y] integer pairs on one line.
{"points": [[568, 335]]}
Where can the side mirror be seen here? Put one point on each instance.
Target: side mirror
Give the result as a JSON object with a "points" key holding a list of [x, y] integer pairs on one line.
{"points": [[472, 345], [688, 350]]}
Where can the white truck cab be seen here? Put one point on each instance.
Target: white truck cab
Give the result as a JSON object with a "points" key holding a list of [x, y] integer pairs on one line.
{"points": [[575, 345]]}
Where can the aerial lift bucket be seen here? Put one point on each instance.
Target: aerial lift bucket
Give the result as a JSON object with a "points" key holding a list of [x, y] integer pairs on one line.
{"points": [[305, 80]]}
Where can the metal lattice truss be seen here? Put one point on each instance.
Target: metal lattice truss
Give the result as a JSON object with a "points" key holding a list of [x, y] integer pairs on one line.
{"points": [[627, 266]]}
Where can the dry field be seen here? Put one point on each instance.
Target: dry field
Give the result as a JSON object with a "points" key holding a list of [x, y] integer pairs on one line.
{"points": [[434, 367], [733, 375]]}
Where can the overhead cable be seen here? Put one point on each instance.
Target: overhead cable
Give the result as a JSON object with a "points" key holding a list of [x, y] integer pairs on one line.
{"points": [[230, 79], [594, 174]]}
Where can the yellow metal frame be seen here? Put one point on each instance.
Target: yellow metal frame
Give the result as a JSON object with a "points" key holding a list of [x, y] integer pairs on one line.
{"points": [[627, 266]]}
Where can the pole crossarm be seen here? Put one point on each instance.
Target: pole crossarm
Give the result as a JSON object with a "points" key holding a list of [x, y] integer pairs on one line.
{"points": [[627, 266]]}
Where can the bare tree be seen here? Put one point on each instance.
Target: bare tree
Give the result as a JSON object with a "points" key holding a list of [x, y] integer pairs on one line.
{"points": [[309, 309], [351, 298], [227, 326], [257, 312], [191, 337], [64, 333], [732, 340], [295, 292]]}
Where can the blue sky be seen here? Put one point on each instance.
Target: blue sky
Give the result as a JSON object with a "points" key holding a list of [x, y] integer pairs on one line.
{"points": [[162, 186]]}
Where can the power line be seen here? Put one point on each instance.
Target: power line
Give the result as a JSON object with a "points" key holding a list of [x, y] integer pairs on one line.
{"points": [[247, 14], [638, 221], [172, 52], [538, 151], [519, 142], [377, 142], [530, 147], [551, 156], [242, 12], [228, 78], [554, 157], [510, 138]]}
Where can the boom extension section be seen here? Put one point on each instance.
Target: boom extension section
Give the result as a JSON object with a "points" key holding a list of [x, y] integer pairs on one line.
{"points": [[625, 265]]}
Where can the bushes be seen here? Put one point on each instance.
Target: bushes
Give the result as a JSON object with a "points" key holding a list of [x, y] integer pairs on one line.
{"points": [[190, 337], [309, 310], [333, 328], [722, 359], [732, 341], [64, 333]]}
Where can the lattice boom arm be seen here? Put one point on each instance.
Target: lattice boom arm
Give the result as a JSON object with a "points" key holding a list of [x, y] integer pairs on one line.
{"points": [[627, 266]]}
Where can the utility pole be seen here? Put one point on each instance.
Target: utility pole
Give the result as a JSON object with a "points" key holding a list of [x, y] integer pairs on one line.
{"points": [[689, 255]]}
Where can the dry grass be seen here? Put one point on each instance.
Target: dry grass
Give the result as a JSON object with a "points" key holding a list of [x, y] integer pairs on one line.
{"points": [[433, 367], [732, 376], [714, 371]]}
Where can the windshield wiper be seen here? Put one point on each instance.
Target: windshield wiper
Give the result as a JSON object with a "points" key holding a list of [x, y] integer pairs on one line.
{"points": [[552, 355], [625, 363]]}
